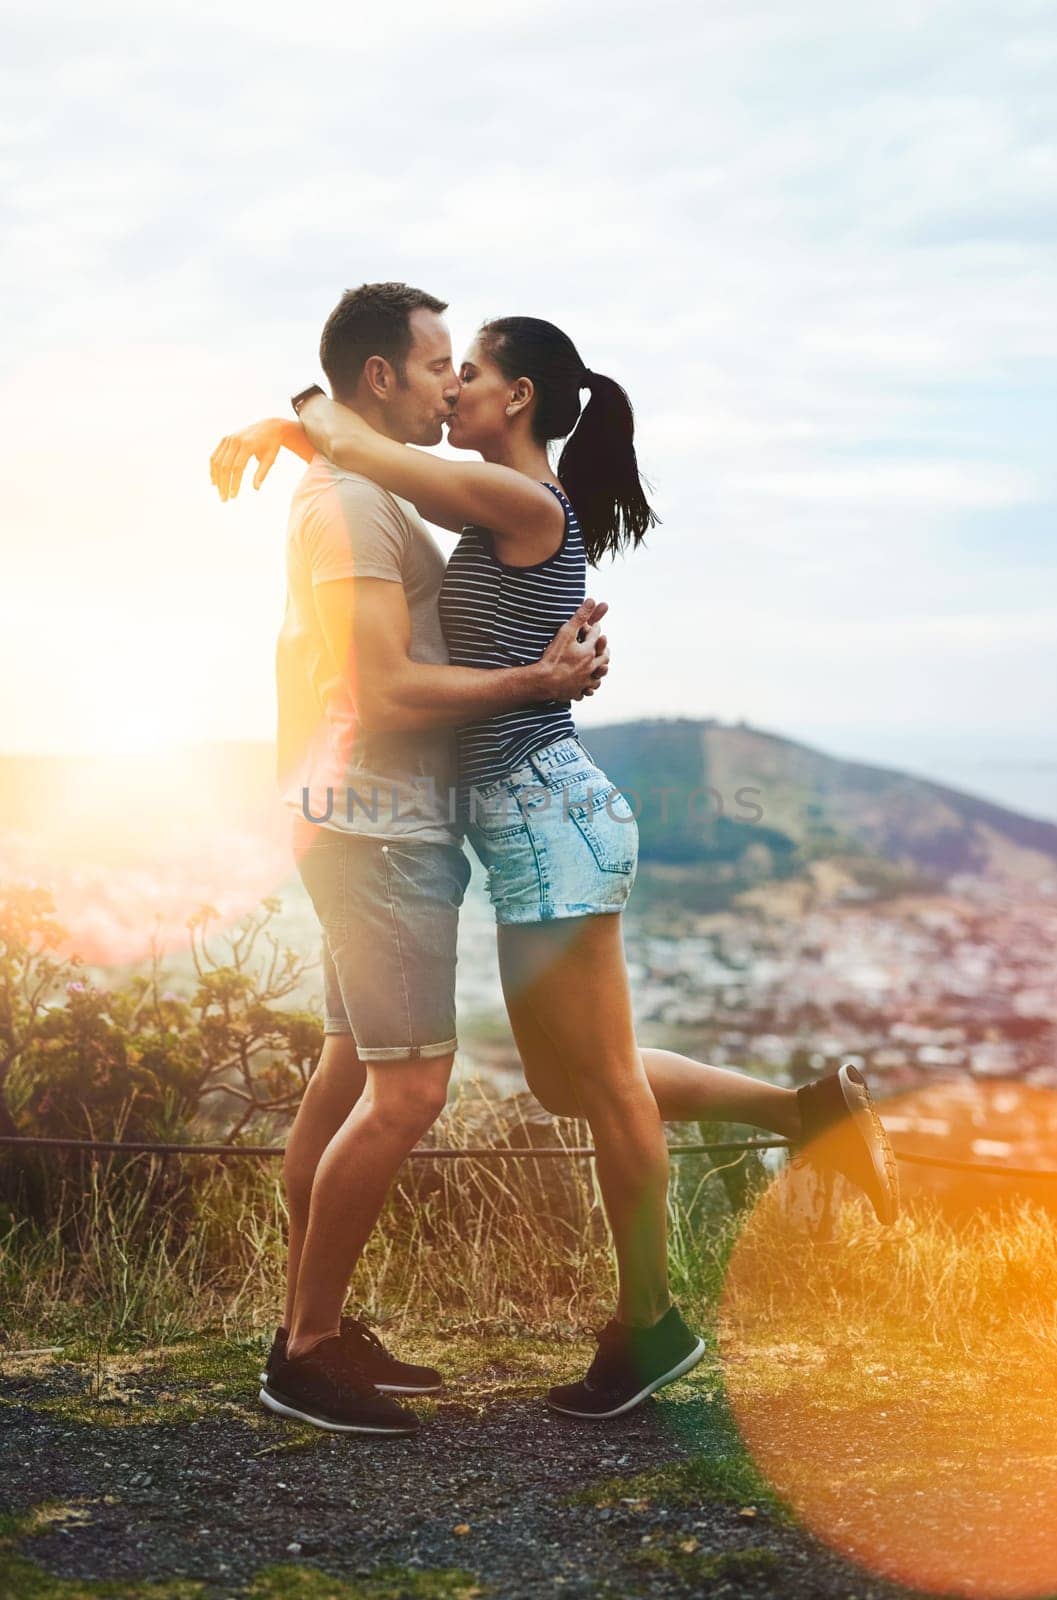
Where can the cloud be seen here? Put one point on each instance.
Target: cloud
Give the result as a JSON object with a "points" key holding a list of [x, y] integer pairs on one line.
{"points": [[954, 485], [817, 245]]}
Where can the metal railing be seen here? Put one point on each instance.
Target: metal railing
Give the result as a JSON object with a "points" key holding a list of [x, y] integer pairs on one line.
{"points": [[490, 1152]]}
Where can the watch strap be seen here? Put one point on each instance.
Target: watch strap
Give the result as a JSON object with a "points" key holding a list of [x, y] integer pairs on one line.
{"points": [[298, 400]]}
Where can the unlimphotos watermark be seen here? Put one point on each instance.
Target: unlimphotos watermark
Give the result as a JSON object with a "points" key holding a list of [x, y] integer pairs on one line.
{"points": [[496, 803]]}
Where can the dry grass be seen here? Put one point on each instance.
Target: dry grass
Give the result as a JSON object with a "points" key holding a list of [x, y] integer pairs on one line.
{"points": [[984, 1282], [135, 1256], [898, 1388]]}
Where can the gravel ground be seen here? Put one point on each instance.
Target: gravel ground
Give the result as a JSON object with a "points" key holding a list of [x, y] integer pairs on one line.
{"points": [[216, 1497]]}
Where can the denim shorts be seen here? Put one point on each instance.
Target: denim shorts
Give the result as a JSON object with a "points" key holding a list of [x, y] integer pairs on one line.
{"points": [[390, 918], [557, 837]]}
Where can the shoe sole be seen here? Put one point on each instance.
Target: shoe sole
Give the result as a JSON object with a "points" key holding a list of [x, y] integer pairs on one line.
{"points": [[863, 1112], [686, 1365], [383, 1388], [283, 1409]]}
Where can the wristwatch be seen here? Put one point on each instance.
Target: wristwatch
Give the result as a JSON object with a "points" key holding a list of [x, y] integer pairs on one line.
{"points": [[298, 400]]}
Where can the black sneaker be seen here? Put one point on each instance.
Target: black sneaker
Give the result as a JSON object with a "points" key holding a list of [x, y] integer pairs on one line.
{"points": [[276, 1353], [839, 1120], [385, 1371], [629, 1365], [330, 1391]]}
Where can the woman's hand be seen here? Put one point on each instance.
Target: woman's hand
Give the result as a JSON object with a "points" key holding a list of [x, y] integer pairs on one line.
{"points": [[449, 493], [262, 441]]}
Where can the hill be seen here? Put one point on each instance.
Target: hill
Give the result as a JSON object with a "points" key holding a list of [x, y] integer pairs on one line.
{"points": [[769, 805], [740, 801]]}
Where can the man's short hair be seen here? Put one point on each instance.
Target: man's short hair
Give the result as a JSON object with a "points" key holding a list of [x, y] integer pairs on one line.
{"points": [[371, 321]]}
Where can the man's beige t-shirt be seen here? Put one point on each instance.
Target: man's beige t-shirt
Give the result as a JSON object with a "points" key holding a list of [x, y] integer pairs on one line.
{"points": [[388, 785]]}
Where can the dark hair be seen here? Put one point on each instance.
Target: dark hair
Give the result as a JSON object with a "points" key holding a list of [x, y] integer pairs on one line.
{"points": [[370, 321], [598, 465]]}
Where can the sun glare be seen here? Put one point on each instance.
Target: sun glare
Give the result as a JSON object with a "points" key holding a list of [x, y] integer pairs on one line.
{"points": [[131, 843], [898, 1387]]}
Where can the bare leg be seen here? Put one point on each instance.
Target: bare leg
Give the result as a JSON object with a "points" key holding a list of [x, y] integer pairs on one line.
{"points": [[694, 1091], [685, 1090], [332, 1091], [401, 1100], [572, 982]]}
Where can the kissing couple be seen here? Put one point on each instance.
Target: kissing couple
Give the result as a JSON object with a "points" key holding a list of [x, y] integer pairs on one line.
{"points": [[403, 674]]}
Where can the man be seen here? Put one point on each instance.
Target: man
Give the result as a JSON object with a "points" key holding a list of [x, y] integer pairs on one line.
{"points": [[367, 703]]}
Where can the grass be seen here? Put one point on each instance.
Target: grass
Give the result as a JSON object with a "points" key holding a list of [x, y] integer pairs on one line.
{"points": [[898, 1388], [210, 1376], [21, 1578], [511, 1250], [388, 1583], [689, 1561], [909, 1374], [729, 1478], [515, 1247], [178, 1384], [957, 1284]]}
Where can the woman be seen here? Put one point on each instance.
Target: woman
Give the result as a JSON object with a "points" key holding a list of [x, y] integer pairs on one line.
{"points": [[558, 839]]}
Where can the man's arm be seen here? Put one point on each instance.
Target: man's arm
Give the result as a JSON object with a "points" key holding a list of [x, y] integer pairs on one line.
{"points": [[368, 631]]}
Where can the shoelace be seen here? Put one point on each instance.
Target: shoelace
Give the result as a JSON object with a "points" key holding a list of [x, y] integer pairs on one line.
{"points": [[346, 1376], [364, 1335], [609, 1355], [607, 1333]]}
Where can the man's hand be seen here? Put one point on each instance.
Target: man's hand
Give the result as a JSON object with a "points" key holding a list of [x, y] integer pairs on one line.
{"points": [[228, 462], [577, 658]]}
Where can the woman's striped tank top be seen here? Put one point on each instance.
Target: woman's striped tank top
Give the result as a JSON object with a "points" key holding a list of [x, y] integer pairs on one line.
{"points": [[494, 615]]}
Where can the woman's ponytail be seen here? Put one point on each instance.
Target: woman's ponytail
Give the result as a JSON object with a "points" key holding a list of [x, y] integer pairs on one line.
{"points": [[598, 465], [600, 471]]}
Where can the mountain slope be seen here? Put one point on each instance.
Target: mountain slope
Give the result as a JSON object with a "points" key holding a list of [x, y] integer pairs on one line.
{"points": [[739, 792]]}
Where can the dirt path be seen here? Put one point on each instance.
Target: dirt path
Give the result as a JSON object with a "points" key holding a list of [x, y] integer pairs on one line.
{"points": [[166, 1467]]}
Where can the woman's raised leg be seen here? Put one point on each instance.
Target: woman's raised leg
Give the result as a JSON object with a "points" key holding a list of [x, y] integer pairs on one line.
{"points": [[685, 1090], [835, 1115]]}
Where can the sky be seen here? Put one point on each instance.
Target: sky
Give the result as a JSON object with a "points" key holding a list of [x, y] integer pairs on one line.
{"points": [[816, 244]]}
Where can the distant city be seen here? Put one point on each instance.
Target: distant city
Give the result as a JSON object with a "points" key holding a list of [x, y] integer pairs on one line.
{"points": [[874, 914]]}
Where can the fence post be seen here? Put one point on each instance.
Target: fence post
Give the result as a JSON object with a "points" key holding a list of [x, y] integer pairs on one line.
{"points": [[740, 1177]]}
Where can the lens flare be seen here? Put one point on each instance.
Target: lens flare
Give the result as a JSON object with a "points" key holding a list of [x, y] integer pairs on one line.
{"points": [[898, 1387], [131, 847]]}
